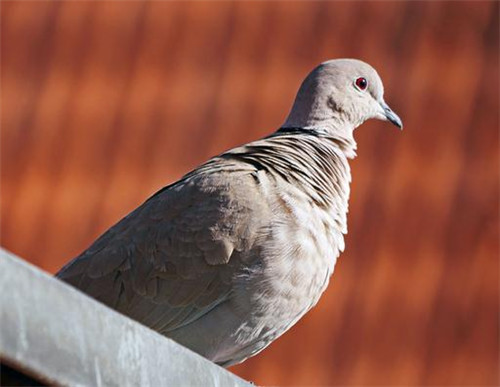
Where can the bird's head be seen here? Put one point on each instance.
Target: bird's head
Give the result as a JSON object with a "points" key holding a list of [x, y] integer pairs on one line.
{"points": [[339, 95]]}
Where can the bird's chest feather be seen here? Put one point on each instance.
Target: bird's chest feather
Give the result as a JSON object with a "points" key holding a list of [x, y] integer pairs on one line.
{"points": [[298, 252]]}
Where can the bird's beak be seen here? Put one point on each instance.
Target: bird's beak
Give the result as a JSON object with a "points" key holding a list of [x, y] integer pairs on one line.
{"points": [[391, 116]]}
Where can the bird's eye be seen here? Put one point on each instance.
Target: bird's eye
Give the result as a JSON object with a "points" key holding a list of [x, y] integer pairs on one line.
{"points": [[361, 83]]}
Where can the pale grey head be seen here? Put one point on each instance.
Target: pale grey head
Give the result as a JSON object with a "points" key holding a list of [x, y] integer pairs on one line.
{"points": [[338, 96]]}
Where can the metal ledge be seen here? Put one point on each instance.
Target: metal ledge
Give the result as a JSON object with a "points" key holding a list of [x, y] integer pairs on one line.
{"points": [[56, 334]]}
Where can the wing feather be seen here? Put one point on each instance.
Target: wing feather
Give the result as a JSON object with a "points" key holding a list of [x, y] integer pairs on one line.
{"points": [[173, 259]]}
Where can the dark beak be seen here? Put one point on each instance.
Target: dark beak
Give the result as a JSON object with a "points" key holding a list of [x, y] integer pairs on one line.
{"points": [[391, 116]]}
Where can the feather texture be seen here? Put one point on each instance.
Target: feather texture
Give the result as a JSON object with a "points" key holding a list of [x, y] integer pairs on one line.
{"points": [[200, 242]]}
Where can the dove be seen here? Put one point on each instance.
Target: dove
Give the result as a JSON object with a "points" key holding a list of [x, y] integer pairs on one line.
{"points": [[228, 258]]}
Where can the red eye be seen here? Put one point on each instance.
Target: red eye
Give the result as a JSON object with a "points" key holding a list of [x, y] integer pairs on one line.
{"points": [[361, 83]]}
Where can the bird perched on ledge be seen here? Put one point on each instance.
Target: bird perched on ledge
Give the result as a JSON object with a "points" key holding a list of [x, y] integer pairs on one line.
{"points": [[229, 257]]}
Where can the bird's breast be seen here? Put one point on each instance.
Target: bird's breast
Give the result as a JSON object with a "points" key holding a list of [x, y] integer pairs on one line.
{"points": [[297, 254]]}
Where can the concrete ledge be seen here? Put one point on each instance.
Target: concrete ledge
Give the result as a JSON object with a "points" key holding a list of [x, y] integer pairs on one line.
{"points": [[58, 335]]}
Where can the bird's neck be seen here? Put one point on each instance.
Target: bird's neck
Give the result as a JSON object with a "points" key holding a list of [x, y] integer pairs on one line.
{"points": [[306, 158], [334, 127]]}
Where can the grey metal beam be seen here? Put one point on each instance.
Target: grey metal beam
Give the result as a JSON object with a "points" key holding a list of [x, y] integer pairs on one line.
{"points": [[57, 334]]}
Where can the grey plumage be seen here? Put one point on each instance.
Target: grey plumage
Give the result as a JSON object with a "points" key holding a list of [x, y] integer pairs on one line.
{"points": [[229, 257]]}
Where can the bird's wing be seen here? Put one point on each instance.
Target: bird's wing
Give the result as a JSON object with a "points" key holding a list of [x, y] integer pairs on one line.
{"points": [[173, 259]]}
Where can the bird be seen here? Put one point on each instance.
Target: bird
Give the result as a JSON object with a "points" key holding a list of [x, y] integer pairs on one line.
{"points": [[229, 257]]}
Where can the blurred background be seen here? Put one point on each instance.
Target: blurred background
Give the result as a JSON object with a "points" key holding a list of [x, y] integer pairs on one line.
{"points": [[103, 103]]}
